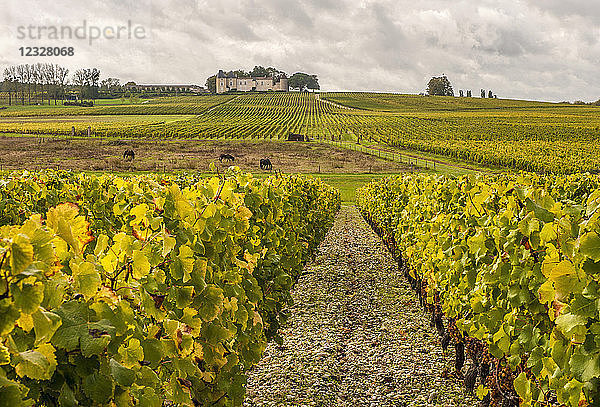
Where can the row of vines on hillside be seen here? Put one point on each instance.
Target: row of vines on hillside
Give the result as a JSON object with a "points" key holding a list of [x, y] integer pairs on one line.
{"points": [[509, 268], [157, 106], [525, 136], [149, 290]]}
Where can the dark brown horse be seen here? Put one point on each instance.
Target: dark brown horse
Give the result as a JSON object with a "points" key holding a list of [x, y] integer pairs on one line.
{"points": [[227, 158], [129, 155], [265, 164]]}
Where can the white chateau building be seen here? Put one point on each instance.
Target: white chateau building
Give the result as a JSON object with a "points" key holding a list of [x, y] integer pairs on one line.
{"points": [[227, 82]]}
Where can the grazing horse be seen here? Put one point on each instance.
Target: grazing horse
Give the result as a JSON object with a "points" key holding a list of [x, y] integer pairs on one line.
{"points": [[265, 164], [227, 158], [128, 155]]}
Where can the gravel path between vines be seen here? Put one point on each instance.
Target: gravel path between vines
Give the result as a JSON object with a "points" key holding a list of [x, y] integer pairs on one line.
{"points": [[356, 336]]}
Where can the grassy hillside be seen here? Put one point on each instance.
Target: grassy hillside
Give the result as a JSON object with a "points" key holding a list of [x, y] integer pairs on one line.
{"points": [[393, 102]]}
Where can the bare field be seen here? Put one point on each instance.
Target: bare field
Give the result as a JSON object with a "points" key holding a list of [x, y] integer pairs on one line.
{"points": [[35, 153]]}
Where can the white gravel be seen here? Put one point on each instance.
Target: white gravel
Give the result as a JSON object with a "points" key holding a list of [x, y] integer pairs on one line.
{"points": [[356, 335]]}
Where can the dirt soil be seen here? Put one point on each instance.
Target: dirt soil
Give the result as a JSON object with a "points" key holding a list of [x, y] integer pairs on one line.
{"points": [[356, 336], [35, 153]]}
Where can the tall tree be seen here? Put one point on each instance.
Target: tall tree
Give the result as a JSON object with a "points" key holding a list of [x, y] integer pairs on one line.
{"points": [[240, 73], [61, 80], [94, 82], [87, 80], [110, 85], [259, 71], [440, 86], [275, 73], [35, 75], [211, 84], [303, 81], [79, 81], [21, 79], [10, 83], [46, 76]]}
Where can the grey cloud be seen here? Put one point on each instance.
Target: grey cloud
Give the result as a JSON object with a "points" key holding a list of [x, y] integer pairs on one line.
{"points": [[524, 49], [508, 42], [568, 8], [288, 11]]}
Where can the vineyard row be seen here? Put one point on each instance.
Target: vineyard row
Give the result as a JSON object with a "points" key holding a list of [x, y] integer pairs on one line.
{"points": [[149, 290]]}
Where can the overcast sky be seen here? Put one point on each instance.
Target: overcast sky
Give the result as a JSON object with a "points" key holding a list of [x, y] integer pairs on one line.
{"points": [[530, 49]]}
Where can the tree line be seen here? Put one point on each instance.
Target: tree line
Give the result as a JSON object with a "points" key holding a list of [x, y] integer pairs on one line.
{"points": [[441, 86], [38, 83]]}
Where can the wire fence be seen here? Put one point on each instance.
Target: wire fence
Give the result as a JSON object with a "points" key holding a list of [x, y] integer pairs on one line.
{"points": [[386, 155]]}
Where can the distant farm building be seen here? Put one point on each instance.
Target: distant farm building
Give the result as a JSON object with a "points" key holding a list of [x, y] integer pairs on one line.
{"points": [[133, 87], [296, 137], [230, 82]]}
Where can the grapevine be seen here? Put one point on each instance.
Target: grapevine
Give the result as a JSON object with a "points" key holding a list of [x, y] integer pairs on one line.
{"points": [[512, 261], [148, 290]]}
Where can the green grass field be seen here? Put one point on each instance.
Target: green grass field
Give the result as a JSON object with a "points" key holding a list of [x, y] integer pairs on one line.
{"points": [[346, 183], [192, 105], [349, 183]]}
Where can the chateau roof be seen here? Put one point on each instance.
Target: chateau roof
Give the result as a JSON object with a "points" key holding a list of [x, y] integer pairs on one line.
{"points": [[230, 74], [222, 74]]}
